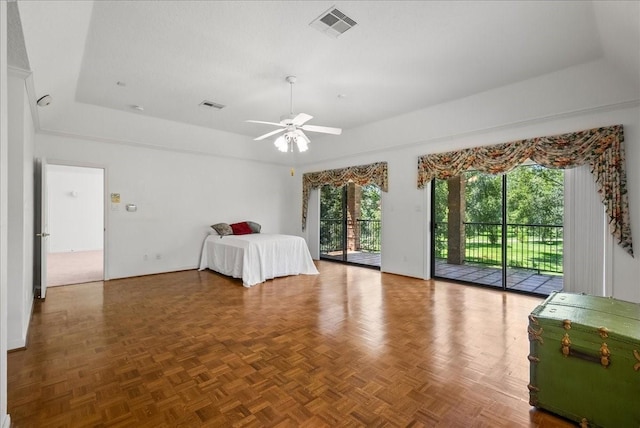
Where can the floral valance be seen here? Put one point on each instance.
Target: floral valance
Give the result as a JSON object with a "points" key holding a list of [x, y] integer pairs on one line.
{"points": [[601, 148], [375, 173]]}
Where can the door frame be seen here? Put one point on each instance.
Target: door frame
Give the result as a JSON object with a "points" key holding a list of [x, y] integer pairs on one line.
{"points": [[105, 213]]}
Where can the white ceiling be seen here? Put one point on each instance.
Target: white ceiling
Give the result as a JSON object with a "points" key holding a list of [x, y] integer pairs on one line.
{"points": [[400, 57]]}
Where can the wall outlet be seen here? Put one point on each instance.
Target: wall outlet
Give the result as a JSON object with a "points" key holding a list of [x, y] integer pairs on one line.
{"points": [[158, 256]]}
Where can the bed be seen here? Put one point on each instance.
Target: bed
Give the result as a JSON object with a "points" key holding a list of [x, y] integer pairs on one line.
{"points": [[257, 257]]}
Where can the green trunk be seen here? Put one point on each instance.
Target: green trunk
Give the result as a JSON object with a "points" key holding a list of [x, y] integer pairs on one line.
{"points": [[585, 359]]}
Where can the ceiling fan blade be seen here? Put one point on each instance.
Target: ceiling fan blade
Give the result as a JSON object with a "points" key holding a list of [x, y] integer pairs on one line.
{"points": [[269, 134], [266, 123], [301, 118], [323, 129]]}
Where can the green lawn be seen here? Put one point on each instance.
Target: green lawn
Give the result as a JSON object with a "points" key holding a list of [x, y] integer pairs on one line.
{"points": [[544, 256]]}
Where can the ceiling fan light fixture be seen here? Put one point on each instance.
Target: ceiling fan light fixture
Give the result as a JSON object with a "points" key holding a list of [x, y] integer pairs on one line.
{"points": [[282, 144], [285, 142], [302, 145]]}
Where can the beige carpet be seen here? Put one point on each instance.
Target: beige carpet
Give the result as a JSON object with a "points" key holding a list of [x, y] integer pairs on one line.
{"points": [[74, 268]]}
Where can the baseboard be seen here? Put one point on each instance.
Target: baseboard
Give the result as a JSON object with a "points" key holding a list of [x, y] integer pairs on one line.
{"points": [[160, 272], [6, 421]]}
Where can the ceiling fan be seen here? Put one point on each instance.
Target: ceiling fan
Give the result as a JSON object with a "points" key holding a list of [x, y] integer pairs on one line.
{"points": [[292, 126]]}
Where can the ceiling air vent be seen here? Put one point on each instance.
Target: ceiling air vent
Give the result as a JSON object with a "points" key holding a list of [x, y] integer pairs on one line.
{"points": [[211, 104], [333, 22]]}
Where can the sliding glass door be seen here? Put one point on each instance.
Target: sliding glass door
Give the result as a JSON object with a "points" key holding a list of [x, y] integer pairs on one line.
{"points": [[350, 224], [468, 228], [502, 231], [333, 223]]}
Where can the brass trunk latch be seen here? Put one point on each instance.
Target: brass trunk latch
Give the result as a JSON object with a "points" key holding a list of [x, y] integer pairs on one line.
{"points": [[604, 332], [566, 345], [604, 352], [533, 394], [535, 335], [636, 354], [566, 324]]}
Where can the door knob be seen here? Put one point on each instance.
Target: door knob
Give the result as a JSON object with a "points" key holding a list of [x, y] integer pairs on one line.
{"points": [[43, 234]]}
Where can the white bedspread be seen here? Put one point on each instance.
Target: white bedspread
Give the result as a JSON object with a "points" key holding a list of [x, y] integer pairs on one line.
{"points": [[257, 257]]}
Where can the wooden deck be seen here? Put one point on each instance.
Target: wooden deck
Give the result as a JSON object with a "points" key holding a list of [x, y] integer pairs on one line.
{"points": [[357, 257], [517, 279]]}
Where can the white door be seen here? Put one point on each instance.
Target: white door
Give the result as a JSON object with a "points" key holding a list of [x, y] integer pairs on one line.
{"points": [[41, 244]]}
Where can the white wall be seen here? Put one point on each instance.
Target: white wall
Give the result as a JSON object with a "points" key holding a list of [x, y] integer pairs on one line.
{"points": [[5, 420], [475, 119], [178, 195], [76, 208], [20, 210], [574, 99]]}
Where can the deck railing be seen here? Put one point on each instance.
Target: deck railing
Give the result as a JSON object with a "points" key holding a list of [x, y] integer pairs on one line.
{"points": [[529, 246], [369, 235], [331, 235]]}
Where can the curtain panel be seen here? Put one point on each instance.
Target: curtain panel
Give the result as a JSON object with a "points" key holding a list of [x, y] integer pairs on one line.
{"points": [[600, 148], [375, 173]]}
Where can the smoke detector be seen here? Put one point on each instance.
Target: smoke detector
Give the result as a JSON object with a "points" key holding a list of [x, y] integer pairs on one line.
{"points": [[44, 100], [333, 22]]}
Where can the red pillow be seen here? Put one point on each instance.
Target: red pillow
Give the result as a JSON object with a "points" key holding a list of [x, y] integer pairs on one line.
{"points": [[241, 228]]}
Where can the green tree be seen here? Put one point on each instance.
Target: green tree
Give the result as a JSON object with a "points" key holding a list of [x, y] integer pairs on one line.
{"points": [[330, 218], [535, 195], [331, 202], [441, 201], [370, 202], [483, 200]]}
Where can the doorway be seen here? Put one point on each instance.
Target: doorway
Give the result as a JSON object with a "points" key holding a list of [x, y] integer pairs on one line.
{"points": [[350, 220], [75, 197], [503, 231]]}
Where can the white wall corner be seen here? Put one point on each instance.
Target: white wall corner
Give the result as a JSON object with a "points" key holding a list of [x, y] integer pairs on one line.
{"points": [[16, 344], [21, 341]]}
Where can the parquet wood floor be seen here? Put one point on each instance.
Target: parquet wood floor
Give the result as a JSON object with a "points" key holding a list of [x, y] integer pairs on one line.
{"points": [[349, 347]]}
